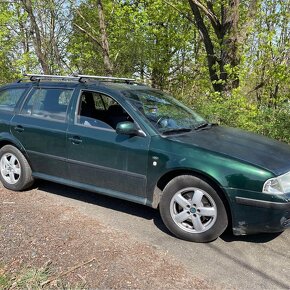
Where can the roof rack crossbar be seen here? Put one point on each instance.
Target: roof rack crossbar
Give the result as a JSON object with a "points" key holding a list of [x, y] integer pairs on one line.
{"points": [[103, 78], [78, 77]]}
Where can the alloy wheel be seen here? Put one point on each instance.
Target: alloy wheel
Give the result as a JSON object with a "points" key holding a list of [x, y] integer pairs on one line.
{"points": [[10, 168], [193, 210]]}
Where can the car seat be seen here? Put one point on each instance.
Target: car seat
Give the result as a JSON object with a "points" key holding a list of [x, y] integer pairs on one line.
{"points": [[116, 114], [88, 105]]}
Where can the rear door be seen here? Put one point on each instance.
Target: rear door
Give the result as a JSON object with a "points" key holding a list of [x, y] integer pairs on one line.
{"points": [[41, 128], [101, 159]]}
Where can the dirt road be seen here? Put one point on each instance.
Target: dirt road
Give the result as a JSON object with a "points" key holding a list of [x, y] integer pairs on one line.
{"points": [[81, 239], [52, 235]]}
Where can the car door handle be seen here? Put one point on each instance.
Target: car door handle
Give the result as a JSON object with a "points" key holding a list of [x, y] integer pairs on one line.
{"points": [[76, 140], [19, 128]]}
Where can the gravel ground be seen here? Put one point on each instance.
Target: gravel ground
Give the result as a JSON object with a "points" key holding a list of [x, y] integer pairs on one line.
{"points": [[39, 231]]}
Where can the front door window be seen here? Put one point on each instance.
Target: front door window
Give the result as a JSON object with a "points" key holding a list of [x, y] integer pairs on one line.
{"points": [[99, 110]]}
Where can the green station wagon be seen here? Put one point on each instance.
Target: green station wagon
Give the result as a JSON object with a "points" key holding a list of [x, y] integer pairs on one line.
{"points": [[119, 138]]}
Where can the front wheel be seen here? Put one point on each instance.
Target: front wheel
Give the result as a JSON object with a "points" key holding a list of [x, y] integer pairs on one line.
{"points": [[192, 210], [15, 172]]}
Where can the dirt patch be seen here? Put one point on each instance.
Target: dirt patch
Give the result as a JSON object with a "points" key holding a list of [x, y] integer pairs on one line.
{"points": [[76, 250]]}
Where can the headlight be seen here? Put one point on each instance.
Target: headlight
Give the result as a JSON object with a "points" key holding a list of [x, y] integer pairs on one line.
{"points": [[278, 185]]}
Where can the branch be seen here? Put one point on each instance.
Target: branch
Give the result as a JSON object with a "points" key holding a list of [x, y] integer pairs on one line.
{"points": [[260, 85], [252, 11], [87, 23], [216, 25], [37, 38], [67, 272], [88, 34], [208, 43], [207, 12], [179, 11]]}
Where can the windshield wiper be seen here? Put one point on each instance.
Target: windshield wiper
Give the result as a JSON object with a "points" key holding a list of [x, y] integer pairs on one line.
{"points": [[176, 130], [205, 126]]}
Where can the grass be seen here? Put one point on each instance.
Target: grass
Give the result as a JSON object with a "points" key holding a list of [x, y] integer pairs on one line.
{"points": [[27, 278], [4, 282], [31, 278]]}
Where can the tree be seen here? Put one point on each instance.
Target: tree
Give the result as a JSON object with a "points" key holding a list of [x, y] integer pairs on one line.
{"points": [[44, 31], [223, 32], [7, 71], [269, 57], [100, 38], [143, 41], [36, 36]]}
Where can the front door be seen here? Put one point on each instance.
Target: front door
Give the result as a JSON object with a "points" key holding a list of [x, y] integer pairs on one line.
{"points": [[98, 157]]}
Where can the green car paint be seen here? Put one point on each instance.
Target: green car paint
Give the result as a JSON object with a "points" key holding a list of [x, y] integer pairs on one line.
{"points": [[134, 161]]}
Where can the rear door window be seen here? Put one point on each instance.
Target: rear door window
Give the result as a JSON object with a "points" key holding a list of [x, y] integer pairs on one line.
{"points": [[10, 97], [49, 103]]}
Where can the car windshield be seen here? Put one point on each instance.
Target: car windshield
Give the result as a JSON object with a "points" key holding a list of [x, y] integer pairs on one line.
{"points": [[163, 111]]}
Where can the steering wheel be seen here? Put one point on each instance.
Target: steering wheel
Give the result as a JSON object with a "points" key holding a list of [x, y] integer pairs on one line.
{"points": [[158, 122]]}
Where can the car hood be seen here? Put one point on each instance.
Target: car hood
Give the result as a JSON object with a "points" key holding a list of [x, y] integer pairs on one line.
{"points": [[245, 146]]}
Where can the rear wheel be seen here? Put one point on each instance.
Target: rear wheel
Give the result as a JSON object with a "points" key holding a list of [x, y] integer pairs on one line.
{"points": [[192, 210], [15, 172]]}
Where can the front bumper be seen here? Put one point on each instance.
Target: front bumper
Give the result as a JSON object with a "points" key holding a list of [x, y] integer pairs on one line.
{"points": [[252, 215]]}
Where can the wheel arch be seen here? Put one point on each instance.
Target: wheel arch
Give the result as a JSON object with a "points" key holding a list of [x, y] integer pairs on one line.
{"points": [[10, 140], [167, 177]]}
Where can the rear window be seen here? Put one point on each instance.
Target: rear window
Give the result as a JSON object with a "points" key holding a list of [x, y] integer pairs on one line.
{"points": [[9, 98]]}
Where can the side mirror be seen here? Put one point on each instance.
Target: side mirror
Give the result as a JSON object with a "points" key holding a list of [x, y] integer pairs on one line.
{"points": [[129, 128]]}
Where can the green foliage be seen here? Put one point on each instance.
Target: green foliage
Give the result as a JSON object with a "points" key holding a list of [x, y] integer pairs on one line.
{"points": [[7, 71], [29, 278], [267, 55], [145, 41], [4, 282], [275, 123], [240, 111], [32, 278], [35, 278]]}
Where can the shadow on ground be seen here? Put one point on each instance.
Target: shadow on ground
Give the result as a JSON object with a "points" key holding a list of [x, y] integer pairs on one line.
{"points": [[257, 238], [135, 209], [116, 204]]}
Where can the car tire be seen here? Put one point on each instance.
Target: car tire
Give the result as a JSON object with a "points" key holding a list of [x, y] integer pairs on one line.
{"points": [[15, 171], [192, 210]]}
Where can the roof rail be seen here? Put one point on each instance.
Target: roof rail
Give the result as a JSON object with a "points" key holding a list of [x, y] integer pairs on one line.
{"points": [[76, 77], [109, 78], [34, 77]]}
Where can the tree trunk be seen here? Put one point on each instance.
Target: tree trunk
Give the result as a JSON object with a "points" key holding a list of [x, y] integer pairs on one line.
{"points": [[24, 37], [104, 40], [36, 37], [212, 60], [224, 58]]}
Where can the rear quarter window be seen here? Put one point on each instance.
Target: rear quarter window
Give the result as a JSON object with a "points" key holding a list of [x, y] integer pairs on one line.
{"points": [[10, 97]]}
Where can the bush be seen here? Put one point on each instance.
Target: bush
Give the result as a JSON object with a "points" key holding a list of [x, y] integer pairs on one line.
{"points": [[239, 111]]}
